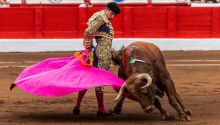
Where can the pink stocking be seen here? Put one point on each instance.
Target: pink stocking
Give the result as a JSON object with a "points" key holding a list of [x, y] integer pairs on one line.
{"points": [[99, 96], [80, 97]]}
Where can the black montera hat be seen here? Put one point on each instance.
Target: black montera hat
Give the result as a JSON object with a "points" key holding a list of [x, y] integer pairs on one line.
{"points": [[113, 6]]}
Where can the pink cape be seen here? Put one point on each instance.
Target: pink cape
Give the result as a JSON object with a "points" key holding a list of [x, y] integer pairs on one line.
{"points": [[55, 77]]}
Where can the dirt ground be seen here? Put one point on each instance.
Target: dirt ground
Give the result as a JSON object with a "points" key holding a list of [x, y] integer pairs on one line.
{"points": [[195, 73]]}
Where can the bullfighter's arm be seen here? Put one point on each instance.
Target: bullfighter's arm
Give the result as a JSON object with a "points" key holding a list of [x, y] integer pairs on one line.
{"points": [[91, 30]]}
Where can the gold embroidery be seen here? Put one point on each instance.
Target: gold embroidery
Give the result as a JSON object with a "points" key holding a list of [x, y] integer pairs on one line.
{"points": [[93, 27], [100, 13], [96, 21], [104, 34], [103, 52], [111, 29]]}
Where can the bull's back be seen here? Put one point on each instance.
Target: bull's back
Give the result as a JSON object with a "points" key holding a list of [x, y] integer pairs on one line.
{"points": [[151, 50], [148, 51], [145, 46]]}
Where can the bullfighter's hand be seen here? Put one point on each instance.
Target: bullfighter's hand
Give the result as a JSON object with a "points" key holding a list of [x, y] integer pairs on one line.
{"points": [[87, 44]]}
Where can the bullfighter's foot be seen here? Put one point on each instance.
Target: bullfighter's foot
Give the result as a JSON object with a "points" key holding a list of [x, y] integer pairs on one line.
{"points": [[12, 86], [76, 111], [184, 117], [187, 111], [167, 116], [100, 114]]}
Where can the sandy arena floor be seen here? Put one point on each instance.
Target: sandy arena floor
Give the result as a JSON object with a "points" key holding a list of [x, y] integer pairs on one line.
{"points": [[196, 76]]}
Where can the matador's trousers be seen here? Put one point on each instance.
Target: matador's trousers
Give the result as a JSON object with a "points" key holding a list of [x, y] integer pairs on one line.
{"points": [[102, 56]]}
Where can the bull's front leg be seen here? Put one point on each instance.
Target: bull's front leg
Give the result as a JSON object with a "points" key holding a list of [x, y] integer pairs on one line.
{"points": [[185, 109], [118, 107], [164, 114], [172, 97]]}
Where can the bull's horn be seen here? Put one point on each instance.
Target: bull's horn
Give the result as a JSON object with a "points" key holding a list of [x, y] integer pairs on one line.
{"points": [[121, 91], [149, 80]]}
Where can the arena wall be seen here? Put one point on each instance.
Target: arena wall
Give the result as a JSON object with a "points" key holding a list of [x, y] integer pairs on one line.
{"points": [[34, 28], [94, 1], [139, 22]]}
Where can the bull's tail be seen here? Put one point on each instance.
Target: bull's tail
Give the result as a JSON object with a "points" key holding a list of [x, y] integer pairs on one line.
{"points": [[12, 86]]}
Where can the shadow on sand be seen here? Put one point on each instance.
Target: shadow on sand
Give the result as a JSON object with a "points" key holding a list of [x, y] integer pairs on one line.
{"points": [[87, 118]]}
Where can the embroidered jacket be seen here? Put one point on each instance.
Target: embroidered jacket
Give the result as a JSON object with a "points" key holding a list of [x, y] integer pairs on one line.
{"points": [[99, 26]]}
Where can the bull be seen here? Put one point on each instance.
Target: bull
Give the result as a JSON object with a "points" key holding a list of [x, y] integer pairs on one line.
{"points": [[143, 67]]}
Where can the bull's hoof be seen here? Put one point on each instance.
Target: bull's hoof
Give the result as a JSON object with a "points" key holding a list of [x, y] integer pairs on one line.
{"points": [[187, 111], [185, 117], [149, 109], [167, 117], [117, 110]]}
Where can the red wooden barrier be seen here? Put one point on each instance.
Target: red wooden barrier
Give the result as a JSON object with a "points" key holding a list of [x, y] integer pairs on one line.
{"points": [[139, 22]]}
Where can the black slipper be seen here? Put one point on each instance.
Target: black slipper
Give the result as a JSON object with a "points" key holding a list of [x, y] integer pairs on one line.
{"points": [[76, 111], [100, 114]]}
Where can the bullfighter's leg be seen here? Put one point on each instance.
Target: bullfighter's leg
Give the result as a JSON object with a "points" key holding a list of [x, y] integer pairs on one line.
{"points": [[185, 109], [171, 93], [118, 107], [76, 110], [99, 96], [103, 55], [164, 115]]}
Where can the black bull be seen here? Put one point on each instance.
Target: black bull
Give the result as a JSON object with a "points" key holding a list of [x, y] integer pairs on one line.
{"points": [[142, 57]]}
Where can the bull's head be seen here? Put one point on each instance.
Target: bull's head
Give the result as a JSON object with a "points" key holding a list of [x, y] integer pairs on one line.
{"points": [[141, 88], [116, 56]]}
